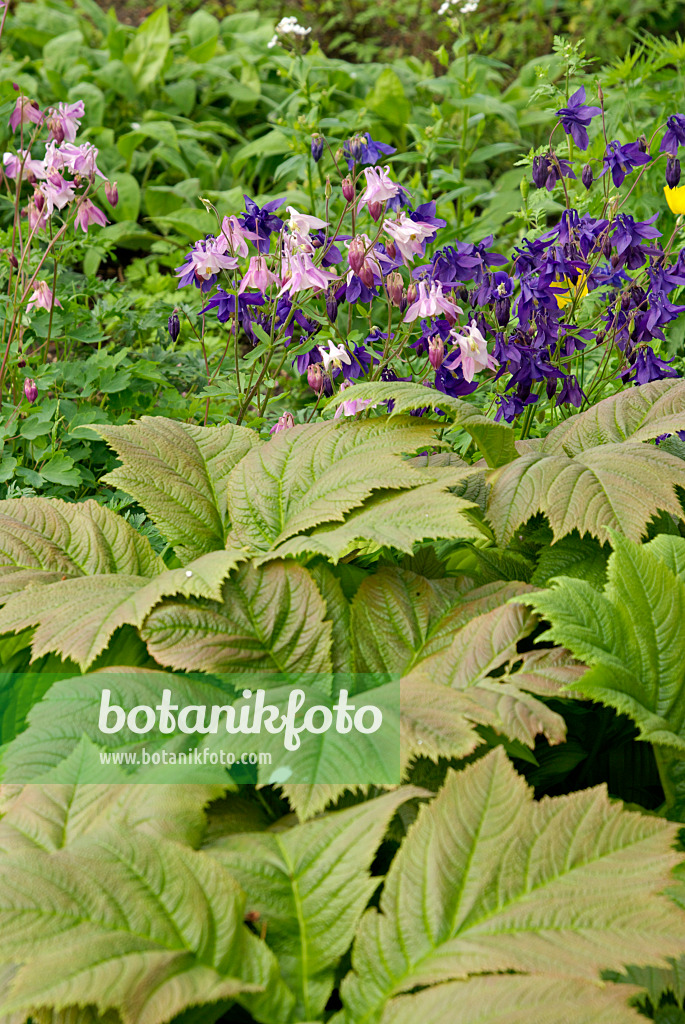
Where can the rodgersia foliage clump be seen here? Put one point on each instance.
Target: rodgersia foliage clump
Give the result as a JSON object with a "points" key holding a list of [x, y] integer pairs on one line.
{"points": [[443, 464]]}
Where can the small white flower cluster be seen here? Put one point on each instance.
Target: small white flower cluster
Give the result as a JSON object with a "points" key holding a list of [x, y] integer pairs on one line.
{"points": [[466, 8], [288, 27]]}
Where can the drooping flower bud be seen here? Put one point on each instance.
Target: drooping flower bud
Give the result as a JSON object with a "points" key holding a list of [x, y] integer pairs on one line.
{"points": [[366, 274], [672, 172], [375, 209], [539, 172], [14, 261], [112, 192], [436, 351], [357, 254], [331, 303], [30, 389], [524, 188], [642, 143], [502, 310], [395, 285], [587, 176], [355, 146], [348, 189], [391, 249], [284, 421], [39, 200], [174, 326], [412, 293], [317, 147], [315, 377]]}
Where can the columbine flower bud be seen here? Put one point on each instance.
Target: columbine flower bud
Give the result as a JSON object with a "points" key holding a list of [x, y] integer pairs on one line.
{"points": [[331, 304], [315, 377], [539, 172], [587, 176], [174, 325], [30, 389], [21, 362], [348, 189], [375, 209], [395, 286], [672, 172], [355, 145], [357, 254], [502, 310], [642, 143], [391, 249], [436, 351], [328, 191], [366, 274], [525, 188], [39, 200], [112, 192], [284, 421], [14, 261], [317, 147], [412, 293]]}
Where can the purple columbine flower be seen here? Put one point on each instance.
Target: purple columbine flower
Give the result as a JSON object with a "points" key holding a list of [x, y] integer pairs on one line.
{"points": [[621, 160], [174, 326], [576, 117], [648, 367], [224, 303], [571, 393], [317, 147], [362, 149], [262, 220], [675, 134], [627, 236]]}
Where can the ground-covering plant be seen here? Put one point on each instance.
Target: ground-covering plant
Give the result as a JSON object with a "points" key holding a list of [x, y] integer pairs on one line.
{"points": [[409, 431]]}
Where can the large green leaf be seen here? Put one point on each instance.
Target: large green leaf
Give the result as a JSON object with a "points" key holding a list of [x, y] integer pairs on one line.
{"points": [[313, 474], [131, 922], [489, 881], [77, 617], [496, 441], [146, 54], [272, 619], [638, 414], [178, 473], [632, 635], [618, 486], [310, 884], [43, 540]]}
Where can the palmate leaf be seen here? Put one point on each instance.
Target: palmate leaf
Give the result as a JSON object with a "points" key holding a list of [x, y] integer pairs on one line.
{"points": [[77, 617], [43, 540], [619, 486], [310, 884], [637, 414], [50, 817], [495, 440], [632, 635], [313, 474], [271, 619], [178, 473], [392, 519], [489, 881], [135, 923]]}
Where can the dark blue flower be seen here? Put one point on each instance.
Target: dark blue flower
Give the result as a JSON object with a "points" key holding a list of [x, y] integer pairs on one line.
{"points": [[224, 304], [317, 147], [675, 134], [262, 220], [621, 160], [648, 367], [362, 149], [628, 237], [571, 393], [576, 117]]}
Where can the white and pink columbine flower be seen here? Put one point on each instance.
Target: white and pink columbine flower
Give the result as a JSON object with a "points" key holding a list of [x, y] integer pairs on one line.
{"points": [[42, 297], [473, 355], [409, 235], [233, 237], [257, 276], [32, 168], [64, 120], [88, 213], [431, 302], [379, 186], [334, 356], [57, 191], [80, 159], [301, 274], [206, 259], [303, 223]]}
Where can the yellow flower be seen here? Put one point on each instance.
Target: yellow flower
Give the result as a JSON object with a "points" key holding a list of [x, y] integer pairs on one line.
{"points": [[675, 197], [565, 291]]}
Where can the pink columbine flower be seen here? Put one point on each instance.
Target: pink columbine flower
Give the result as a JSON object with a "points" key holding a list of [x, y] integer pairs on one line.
{"points": [[233, 235], [80, 159], [258, 276], [32, 168], [432, 303], [206, 259], [42, 298], [24, 111], [353, 405], [30, 389], [301, 274], [379, 187], [473, 355], [410, 235], [36, 211], [88, 213], [57, 191], [303, 223], [284, 422], [63, 122]]}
